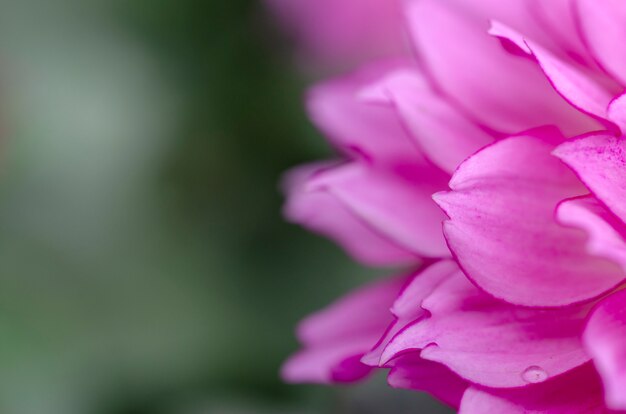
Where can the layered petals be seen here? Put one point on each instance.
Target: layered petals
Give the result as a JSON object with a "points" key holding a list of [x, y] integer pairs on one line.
{"points": [[605, 339], [407, 308], [335, 339], [321, 212], [599, 161], [354, 126], [397, 206], [501, 227], [606, 234], [489, 342], [495, 156], [571, 82], [577, 392], [604, 29], [495, 88], [412, 372], [443, 133]]}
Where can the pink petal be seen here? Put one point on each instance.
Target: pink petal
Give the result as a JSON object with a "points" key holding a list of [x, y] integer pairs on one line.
{"points": [[605, 340], [414, 373], [323, 213], [605, 232], [617, 111], [503, 232], [501, 91], [599, 161], [572, 83], [559, 21], [445, 136], [341, 32], [356, 127], [336, 338], [577, 392], [398, 206], [604, 29], [490, 342], [407, 308]]}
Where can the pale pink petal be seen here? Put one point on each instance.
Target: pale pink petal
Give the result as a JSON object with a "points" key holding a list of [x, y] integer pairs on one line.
{"points": [[397, 205], [576, 86], [617, 111], [492, 343], [606, 233], [604, 28], [335, 339], [503, 231], [500, 90], [356, 127], [605, 340], [559, 21], [343, 32], [414, 373], [600, 162], [321, 212], [577, 392], [408, 307], [445, 136]]}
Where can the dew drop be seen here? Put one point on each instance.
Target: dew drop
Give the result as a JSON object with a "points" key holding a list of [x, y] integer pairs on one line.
{"points": [[534, 374]]}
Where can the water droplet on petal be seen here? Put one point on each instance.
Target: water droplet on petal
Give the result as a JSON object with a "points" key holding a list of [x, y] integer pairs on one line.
{"points": [[534, 374]]}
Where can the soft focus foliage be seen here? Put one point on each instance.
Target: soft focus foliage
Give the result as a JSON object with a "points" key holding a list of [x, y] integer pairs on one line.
{"points": [[143, 259]]}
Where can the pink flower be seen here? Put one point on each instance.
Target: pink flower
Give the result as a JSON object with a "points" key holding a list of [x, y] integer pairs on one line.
{"points": [[342, 32], [493, 162]]}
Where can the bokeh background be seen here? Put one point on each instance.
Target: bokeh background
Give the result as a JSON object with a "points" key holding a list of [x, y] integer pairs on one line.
{"points": [[144, 264]]}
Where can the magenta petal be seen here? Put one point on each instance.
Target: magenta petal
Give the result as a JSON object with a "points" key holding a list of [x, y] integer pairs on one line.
{"points": [[599, 162], [502, 91], [604, 29], [445, 136], [359, 128], [336, 338], [605, 231], [398, 206], [490, 342], [617, 111], [576, 86], [408, 307], [414, 373], [340, 32], [559, 20], [323, 213], [605, 340], [503, 232], [577, 392]]}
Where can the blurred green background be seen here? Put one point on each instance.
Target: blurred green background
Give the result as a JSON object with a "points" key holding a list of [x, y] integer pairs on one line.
{"points": [[144, 263]]}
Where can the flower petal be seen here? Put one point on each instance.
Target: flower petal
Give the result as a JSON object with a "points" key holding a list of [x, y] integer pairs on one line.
{"points": [[572, 83], [577, 392], [503, 232], [358, 128], [606, 232], [341, 32], [398, 206], [490, 342], [412, 372], [321, 212], [604, 29], [599, 161], [501, 91], [336, 338], [407, 308], [445, 136], [605, 340]]}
